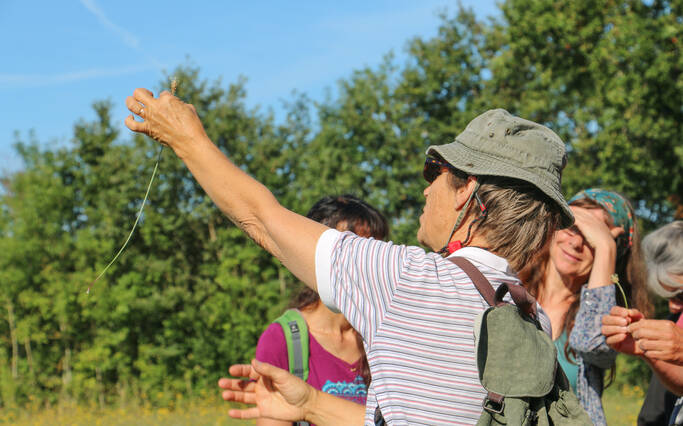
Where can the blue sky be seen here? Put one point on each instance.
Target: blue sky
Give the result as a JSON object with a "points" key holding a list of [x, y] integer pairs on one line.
{"points": [[58, 57]]}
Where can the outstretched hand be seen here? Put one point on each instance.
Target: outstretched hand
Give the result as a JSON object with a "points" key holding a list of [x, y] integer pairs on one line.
{"points": [[276, 393], [166, 119]]}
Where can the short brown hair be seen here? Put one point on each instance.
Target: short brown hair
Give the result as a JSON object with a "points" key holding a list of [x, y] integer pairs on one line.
{"points": [[520, 220]]}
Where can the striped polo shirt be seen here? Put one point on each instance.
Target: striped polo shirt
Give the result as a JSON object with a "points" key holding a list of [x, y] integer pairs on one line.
{"points": [[415, 312]]}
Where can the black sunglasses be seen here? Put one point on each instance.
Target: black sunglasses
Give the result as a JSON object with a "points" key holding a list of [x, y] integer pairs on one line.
{"points": [[433, 168]]}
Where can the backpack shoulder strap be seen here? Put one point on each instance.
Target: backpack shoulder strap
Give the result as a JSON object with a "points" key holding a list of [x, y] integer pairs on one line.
{"points": [[520, 296], [478, 279], [296, 335]]}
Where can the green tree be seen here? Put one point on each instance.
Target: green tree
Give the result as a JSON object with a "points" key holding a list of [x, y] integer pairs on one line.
{"points": [[607, 76]]}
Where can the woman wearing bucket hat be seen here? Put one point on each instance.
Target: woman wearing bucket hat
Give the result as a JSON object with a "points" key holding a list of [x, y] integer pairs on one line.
{"points": [[575, 281], [414, 309]]}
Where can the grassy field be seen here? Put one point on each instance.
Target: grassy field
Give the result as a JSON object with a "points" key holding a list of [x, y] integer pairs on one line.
{"points": [[199, 413], [621, 408]]}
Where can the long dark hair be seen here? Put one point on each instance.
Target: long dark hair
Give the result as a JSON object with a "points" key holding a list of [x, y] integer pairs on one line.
{"points": [[349, 213]]}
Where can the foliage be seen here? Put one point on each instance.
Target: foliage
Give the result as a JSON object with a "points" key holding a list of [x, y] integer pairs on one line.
{"points": [[191, 294]]}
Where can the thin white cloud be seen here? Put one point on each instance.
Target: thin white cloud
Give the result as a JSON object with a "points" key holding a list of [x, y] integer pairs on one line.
{"points": [[41, 80], [128, 38]]}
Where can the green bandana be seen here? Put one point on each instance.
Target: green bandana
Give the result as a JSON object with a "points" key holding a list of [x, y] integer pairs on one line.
{"points": [[618, 208]]}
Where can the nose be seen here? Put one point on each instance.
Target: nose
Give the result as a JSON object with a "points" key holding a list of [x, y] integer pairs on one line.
{"points": [[575, 240]]}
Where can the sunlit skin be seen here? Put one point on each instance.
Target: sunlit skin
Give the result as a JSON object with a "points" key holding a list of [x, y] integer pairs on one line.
{"points": [[675, 303], [582, 254], [571, 253], [443, 204], [657, 342], [439, 213]]}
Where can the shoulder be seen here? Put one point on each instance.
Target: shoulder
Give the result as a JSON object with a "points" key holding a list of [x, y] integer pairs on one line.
{"points": [[272, 347]]}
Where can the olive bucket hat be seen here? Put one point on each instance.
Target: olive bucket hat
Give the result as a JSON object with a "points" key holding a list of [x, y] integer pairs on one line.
{"points": [[496, 143]]}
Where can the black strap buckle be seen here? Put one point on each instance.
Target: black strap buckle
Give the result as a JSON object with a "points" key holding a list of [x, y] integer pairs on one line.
{"points": [[492, 406]]}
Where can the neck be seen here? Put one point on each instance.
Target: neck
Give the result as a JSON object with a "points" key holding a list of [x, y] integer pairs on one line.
{"points": [[323, 320], [475, 237], [556, 288]]}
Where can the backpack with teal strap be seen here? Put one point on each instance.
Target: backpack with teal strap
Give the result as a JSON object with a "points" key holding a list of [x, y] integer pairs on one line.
{"points": [[296, 335]]}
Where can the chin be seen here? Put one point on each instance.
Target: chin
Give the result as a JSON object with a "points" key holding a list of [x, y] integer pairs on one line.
{"points": [[421, 239]]}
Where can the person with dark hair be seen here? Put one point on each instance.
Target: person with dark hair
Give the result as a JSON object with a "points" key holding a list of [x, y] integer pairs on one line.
{"points": [[493, 199], [574, 281], [337, 363]]}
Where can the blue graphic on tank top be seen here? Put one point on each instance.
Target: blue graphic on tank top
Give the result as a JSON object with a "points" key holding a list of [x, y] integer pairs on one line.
{"points": [[356, 391]]}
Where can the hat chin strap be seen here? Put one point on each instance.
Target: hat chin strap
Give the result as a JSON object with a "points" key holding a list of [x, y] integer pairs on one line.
{"points": [[452, 246]]}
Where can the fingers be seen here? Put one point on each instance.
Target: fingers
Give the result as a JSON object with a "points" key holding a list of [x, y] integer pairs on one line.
{"points": [[652, 329], [630, 315], [240, 370], [618, 311], [616, 231], [609, 331], [134, 106], [244, 370], [652, 345], [143, 95], [615, 339], [237, 384], [635, 315], [135, 126], [270, 371], [247, 413], [236, 396], [614, 320]]}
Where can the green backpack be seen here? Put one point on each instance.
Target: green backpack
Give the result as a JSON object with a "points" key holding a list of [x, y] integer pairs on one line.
{"points": [[517, 361], [296, 335]]}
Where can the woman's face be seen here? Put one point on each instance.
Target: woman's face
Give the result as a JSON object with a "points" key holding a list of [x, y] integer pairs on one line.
{"points": [[570, 253]]}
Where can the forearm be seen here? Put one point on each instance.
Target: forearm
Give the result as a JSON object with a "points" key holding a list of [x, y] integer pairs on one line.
{"points": [[671, 375], [270, 422], [329, 410], [253, 208], [586, 337], [603, 266]]}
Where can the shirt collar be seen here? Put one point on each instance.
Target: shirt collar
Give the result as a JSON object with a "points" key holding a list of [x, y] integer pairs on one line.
{"points": [[486, 258]]}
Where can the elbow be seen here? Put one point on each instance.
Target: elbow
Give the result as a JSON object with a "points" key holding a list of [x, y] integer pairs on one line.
{"points": [[256, 230]]}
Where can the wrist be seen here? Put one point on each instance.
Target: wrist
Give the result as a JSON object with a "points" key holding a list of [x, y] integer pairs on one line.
{"points": [[606, 249], [190, 147], [309, 408]]}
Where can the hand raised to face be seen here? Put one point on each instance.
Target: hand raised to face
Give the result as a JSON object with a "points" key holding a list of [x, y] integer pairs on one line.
{"points": [[594, 228]]}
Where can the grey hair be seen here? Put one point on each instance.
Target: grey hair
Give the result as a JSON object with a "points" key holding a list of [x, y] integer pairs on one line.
{"points": [[664, 258]]}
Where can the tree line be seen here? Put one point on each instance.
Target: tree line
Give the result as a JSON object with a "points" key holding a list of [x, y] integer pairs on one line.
{"points": [[191, 294]]}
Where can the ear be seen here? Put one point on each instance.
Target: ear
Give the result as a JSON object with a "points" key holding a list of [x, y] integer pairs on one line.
{"points": [[463, 193]]}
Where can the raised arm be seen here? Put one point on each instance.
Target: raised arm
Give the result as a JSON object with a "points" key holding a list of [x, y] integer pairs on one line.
{"points": [[247, 203]]}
